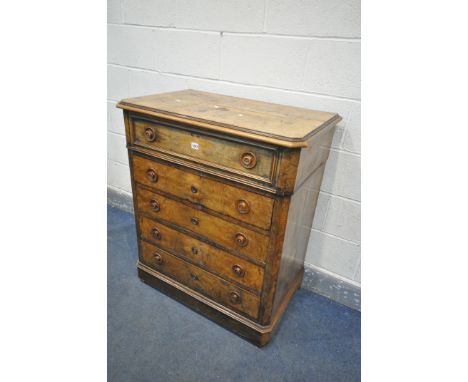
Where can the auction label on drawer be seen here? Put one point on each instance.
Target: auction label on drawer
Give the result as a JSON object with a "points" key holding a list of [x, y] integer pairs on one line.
{"points": [[195, 146]]}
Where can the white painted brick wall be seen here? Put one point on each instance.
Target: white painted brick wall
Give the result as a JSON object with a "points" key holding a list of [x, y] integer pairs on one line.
{"points": [[333, 67], [342, 218], [217, 15], [294, 52], [332, 18], [114, 11], [343, 175], [270, 61], [333, 254], [132, 46], [115, 121], [187, 52], [116, 149]]}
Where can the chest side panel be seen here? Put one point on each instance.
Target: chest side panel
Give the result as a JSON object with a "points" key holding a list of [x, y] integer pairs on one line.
{"points": [[301, 212]]}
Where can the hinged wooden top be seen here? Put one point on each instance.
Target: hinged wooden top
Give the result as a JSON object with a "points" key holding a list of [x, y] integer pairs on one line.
{"points": [[261, 121]]}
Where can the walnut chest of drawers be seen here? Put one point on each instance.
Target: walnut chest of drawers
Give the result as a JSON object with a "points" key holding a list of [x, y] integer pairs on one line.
{"points": [[224, 192]]}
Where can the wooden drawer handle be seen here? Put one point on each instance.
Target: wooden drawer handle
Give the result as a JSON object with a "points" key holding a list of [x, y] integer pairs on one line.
{"points": [[238, 270], [152, 176], [195, 251], [248, 160], [195, 221], [243, 207], [150, 134], [155, 205], [241, 240], [235, 298], [156, 234], [158, 258]]}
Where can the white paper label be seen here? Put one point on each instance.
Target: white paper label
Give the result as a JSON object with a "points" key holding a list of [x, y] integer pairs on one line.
{"points": [[195, 146]]}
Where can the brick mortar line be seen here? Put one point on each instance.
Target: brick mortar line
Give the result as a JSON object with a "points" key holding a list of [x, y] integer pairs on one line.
{"points": [[265, 9], [121, 9], [346, 120], [119, 134], [336, 237], [345, 151], [220, 56], [120, 163], [254, 34], [348, 151], [341, 197], [341, 98], [322, 227]]}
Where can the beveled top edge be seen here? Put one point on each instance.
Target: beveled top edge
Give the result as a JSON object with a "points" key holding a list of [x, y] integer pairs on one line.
{"points": [[256, 120]]}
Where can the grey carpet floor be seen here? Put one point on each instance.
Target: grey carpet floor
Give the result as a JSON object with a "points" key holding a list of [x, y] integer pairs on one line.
{"points": [[154, 338]]}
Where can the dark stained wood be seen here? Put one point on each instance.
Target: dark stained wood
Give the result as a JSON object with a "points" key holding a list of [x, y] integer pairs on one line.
{"points": [[224, 204]]}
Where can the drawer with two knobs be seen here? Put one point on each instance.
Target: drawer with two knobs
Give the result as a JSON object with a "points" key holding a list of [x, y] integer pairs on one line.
{"points": [[196, 187], [246, 241], [231, 155], [200, 280], [209, 257]]}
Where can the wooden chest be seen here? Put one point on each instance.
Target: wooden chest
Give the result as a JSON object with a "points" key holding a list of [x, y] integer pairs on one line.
{"points": [[224, 192]]}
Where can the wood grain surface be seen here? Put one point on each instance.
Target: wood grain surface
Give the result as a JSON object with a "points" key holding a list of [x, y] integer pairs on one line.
{"points": [[225, 191], [202, 254], [200, 280], [232, 115], [200, 189]]}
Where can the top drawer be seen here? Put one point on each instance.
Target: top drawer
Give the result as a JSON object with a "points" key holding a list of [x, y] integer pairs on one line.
{"points": [[242, 158]]}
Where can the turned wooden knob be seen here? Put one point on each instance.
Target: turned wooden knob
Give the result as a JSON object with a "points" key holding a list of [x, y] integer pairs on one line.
{"points": [[156, 234], [241, 240], [243, 207], [238, 270], [248, 160], [235, 298], [155, 205], [195, 221], [152, 176], [158, 258], [194, 250], [150, 134]]}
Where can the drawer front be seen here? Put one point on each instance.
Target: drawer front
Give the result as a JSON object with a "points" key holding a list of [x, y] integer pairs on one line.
{"points": [[205, 255], [240, 239], [240, 157], [199, 280], [240, 204]]}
